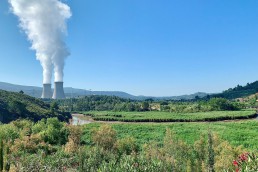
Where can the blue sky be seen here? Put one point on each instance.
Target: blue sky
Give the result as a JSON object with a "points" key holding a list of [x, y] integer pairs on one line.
{"points": [[145, 47]]}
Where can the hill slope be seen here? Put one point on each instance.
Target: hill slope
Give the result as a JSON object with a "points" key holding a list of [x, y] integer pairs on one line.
{"points": [[239, 91], [16, 105]]}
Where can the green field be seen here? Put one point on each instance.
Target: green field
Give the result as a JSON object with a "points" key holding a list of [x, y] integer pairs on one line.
{"points": [[156, 116], [236, 133]]}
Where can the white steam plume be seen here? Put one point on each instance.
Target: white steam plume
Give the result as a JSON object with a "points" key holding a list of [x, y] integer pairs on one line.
{"points": [[44, 22]]}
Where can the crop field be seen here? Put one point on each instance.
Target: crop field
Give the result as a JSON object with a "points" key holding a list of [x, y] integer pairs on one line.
{"points": [[236, 133], [156, 116]]}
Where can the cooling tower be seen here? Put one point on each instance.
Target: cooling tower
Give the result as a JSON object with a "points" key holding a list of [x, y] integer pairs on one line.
{"points": [[47, 92], [59, 91]]}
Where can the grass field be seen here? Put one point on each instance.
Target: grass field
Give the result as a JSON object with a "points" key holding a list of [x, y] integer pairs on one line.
{"points": [[237, 133], [156, 116]]}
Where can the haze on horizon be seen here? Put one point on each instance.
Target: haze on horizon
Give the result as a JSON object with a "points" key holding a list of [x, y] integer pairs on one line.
{"points": [[146, 47]]}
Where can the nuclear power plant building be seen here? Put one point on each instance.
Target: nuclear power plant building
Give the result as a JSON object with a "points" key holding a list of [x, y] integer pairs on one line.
{"points": [[59, 91], [47, 91]]}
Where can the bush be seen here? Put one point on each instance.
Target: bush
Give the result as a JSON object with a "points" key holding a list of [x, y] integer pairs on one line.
{"points": [[126, 145], [104, 137], [74, 139], [51, 130], [221, 104]]}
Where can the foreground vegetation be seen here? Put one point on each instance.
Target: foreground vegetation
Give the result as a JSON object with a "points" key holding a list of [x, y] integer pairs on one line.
{"points": [[50, 145], [156, 116]]}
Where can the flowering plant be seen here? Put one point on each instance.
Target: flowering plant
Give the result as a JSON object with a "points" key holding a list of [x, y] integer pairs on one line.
{"points": [[246, 162]]}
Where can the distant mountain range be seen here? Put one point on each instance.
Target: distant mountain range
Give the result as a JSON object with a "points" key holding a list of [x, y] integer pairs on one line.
{"points": [[232, 93], [74, 92]]}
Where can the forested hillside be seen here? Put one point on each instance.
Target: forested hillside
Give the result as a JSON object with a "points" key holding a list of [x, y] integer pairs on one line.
{"points": [[18, 105], [239, 91]]}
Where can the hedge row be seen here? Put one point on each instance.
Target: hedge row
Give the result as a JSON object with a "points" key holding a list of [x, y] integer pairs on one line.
{"points": [[177, 120], [113, 115]]}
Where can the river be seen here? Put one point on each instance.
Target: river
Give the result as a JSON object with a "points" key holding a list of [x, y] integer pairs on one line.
{"points": [[78, 119]]}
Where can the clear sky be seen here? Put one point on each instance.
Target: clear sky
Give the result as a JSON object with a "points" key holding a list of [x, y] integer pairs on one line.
{"points": [[145, 47]]}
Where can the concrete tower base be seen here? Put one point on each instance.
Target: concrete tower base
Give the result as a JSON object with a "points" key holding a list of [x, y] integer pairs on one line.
{"points": [[59, 91], [47, 92]]}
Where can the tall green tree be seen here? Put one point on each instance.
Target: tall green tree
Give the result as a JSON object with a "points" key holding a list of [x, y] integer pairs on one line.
{"points": [[145, 106], [17, 107]]}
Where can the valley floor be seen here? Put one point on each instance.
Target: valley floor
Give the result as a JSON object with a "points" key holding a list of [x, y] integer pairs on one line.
{"points": [[239, 132]]}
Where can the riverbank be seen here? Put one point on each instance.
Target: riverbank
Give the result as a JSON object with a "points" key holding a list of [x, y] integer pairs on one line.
{"points": [[80, 119]]}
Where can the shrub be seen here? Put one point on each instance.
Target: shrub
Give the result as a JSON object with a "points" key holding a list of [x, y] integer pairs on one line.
{"points": [[51, 130], [221, 104], [176, 150], [126, 145], [30, 144], [74, 138], [104, 137]]}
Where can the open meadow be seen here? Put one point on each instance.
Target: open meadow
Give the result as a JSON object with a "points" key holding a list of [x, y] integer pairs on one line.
{"points": [[145, 127], [236, 133]]}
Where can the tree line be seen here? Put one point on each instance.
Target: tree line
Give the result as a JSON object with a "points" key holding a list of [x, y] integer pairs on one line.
{"points": [[113, 103]]}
